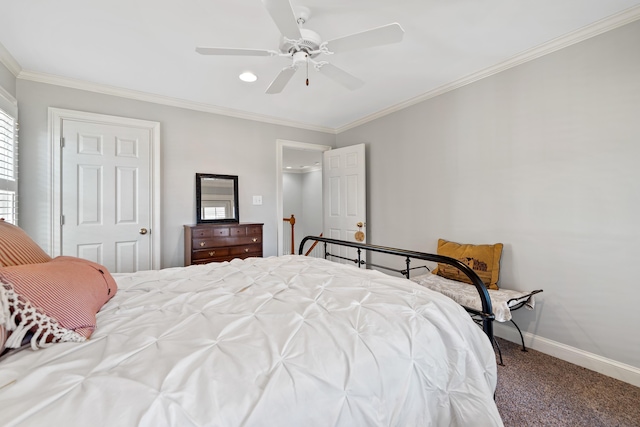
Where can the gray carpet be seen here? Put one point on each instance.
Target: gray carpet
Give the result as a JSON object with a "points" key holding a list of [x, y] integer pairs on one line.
{"points": [[535, 389]]}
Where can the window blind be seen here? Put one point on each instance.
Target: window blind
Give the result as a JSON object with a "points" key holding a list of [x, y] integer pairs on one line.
{"points": [[8, 168]]}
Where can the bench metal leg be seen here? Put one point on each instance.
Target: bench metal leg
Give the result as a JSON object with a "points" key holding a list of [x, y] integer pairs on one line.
{"points": [[495, 342], [521, 337]]}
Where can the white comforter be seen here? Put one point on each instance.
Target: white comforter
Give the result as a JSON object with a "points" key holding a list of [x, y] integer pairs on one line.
{"points": [[287, 341]]}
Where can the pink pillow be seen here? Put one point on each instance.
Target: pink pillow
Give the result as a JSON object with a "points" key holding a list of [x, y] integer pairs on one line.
{"points": [[17, 248], [56, 300]]}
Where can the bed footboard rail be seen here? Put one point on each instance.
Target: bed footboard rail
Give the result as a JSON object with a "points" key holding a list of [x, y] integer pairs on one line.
{"points": [[486, 314]]}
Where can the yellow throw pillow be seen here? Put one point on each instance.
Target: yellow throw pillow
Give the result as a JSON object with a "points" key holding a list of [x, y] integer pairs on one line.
{"points": [[483, 259]]}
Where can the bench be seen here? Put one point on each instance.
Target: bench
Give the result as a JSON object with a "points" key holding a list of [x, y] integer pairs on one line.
{"points": [[503, 301]]}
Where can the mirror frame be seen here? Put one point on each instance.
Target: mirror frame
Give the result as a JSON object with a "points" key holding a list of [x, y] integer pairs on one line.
{"points": [[199, 219]]}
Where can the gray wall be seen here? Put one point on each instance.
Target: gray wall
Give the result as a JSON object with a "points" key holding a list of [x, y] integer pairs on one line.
{"points": [[312, 203], [292, 205], [543, 158], [191, 142], [302, 197]]}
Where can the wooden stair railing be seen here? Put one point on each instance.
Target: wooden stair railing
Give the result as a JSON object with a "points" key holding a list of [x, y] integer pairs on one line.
{"points": [[292, 221], [312, 246]]}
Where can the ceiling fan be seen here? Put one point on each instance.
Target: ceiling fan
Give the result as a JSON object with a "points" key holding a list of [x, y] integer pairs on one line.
{"points": [[303, 46]]}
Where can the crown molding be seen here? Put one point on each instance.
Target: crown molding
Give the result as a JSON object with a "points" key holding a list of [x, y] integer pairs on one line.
{"points": [[9, 61], [162, 100], [308, 169], [4, 94], [592, 30], [618, 20]]}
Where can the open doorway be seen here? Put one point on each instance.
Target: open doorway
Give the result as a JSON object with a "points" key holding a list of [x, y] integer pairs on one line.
{"points": [[299, 193]]}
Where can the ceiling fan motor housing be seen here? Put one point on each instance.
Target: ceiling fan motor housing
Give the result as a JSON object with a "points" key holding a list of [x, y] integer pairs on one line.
{"points": [[309, 42]]}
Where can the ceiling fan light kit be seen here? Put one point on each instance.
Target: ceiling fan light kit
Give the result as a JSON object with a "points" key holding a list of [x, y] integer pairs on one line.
{"points": [[302, 45], [248, 77]]}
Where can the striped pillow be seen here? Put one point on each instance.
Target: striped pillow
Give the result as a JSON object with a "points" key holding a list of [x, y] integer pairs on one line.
{"points": [[17, 248], [56, 300], [4, 319]]}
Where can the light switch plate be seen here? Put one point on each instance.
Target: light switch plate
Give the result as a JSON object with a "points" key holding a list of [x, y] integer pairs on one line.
{"points": [[257, 200]]}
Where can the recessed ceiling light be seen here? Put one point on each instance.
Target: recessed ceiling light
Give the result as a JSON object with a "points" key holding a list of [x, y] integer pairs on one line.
{"points": [[248, 77], [288, 167]]}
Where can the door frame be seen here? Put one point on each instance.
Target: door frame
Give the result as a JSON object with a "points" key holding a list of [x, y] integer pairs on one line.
{"points": [[56, 117], [280, 145]]}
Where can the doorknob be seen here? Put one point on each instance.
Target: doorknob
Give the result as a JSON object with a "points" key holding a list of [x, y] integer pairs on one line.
{"points": [[143, 231], [359, 236]]}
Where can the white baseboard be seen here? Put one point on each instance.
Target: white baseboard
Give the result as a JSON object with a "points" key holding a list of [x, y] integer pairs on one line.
{"points": [[620, 371]]}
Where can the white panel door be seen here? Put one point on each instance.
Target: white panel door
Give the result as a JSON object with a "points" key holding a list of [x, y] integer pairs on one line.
{"points": [[344, 194], [106, 194]]}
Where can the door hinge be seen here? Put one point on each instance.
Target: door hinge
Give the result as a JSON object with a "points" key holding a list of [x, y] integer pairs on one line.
{"points": [[61, 219], [61, 142]]}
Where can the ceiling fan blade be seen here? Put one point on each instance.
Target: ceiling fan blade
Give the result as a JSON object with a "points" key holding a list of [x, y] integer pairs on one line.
{"points": [[284, 17], [233, 51], [390, 33], [340, 76], [281, 80]]}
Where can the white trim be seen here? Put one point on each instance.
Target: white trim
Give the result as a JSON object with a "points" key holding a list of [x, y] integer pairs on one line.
{"points": [[6, 96], [56, 116], [163, 100], [280, 144], [9, 61], [305, 170], [599, 27], [609, 367]]}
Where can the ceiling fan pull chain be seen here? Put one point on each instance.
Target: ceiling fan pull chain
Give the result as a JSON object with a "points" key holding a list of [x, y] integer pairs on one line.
{"points": [[307, 69]]}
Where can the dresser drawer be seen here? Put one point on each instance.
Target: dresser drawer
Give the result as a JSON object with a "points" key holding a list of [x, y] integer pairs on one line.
{"points": [[245, 249], [254, 230], [237, 231], [225, 241], [200, 233], [210, 253]]}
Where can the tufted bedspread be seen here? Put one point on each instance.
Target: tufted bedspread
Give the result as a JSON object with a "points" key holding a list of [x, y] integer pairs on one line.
{"points": [[280, 341]]}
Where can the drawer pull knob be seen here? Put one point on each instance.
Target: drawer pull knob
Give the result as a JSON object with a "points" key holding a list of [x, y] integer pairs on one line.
{"points": [[201, 244], [255, 239], [246, 249], [212, 253]]}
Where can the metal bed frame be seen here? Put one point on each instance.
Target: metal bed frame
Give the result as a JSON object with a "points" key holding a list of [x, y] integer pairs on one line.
{"points": [[484, 318], [522, 301]]}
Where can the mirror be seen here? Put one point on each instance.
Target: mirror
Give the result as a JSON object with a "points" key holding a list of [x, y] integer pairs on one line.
{"points": [[217, 198]]}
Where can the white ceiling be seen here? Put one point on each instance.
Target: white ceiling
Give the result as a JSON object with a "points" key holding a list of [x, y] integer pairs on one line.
{"points": [[146, 49], [300, 160]]}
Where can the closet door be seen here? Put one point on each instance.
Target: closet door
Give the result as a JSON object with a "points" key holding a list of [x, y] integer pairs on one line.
{"points": [[107, 192]]}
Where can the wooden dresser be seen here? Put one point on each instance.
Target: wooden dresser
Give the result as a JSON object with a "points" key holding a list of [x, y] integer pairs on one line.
{"points": [[205, 243]]}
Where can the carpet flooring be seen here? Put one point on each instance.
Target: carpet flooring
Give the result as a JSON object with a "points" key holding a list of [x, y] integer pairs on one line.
{"points": [[535, 389]]}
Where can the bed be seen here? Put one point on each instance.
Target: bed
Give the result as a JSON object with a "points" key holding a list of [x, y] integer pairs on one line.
{"points": [[484, 304], [278, 341]]}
